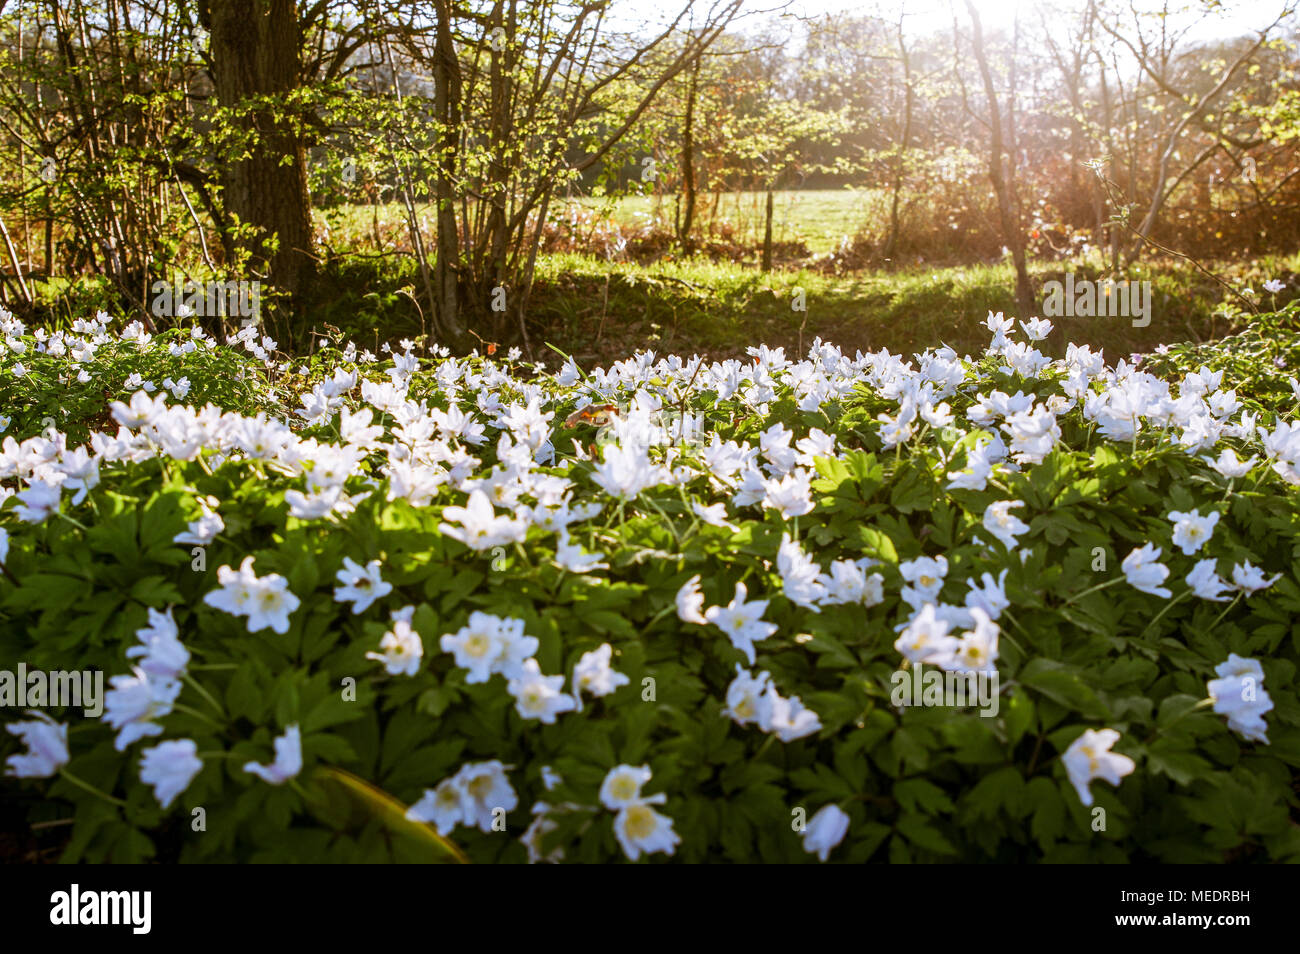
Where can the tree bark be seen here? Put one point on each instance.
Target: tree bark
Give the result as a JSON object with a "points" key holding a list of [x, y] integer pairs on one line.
{"points": [[257, 54], [1011, 231], [688, 161], [767, 234], [904, 143], [446, 106]]}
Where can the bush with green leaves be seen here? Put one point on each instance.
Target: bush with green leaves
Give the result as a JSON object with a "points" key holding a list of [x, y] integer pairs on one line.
{"points": [[449, 609]]}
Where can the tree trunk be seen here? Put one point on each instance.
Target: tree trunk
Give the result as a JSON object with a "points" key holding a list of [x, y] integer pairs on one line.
{"points": [[767, 235], [1011, 232], [256, 53], [904, 143], [499, 134], [446, 106], [688, 161]]}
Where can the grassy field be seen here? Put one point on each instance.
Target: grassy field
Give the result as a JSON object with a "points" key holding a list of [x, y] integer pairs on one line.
{"points": [[720, 309], [598, 310], [820, 218], [595, 307]]}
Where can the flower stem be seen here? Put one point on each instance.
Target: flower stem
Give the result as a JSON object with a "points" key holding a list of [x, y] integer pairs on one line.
{"points": [[193, 683], [1167, 607], [179, 707], [1093, 589], [68, 776], [1226, 611]]}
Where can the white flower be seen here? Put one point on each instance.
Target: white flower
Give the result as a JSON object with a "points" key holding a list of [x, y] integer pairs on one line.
{"points": [[203, 531], [977, 650], [178, 388], [625, 472], [640, 829], [1206, 582], [133, 702], [1036, 329], [485, 791], [1144, 573], [288, 759], [848, 582], [1229, 466], [749, 699], [622, 787], [925, 638], [690, 602], [790, 720], [4, 545], [47, 747], [825, 830], [266, 601], [573, 558], [164, 655], [801, 577], [534, 834], [1273, 286], [817, 444], [488, 644], [38, 502], [715, 515], [401, 648], [1033, 434], [791, 496], [236, 593], [481, 528], [594, 674], [742, 621], [170, 767], [991, 596], [139, 412], [271, 604], [1250, 579], [442, 806], [537, 696], [1006, 526], [361, 585], [976, 476], [1239, 695], [999, 326], [1191, 530], [926, 575], [1090, 757]]}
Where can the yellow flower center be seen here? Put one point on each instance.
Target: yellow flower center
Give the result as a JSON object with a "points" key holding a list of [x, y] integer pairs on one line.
{"points": [[623, 789], [639, 822]]}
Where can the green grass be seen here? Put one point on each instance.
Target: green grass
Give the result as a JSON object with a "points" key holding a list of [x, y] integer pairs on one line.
{"points": [[820, 218], [601, 310]]}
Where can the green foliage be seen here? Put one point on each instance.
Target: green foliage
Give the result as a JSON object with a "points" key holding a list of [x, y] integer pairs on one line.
{"points": [[1080, 648]]}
